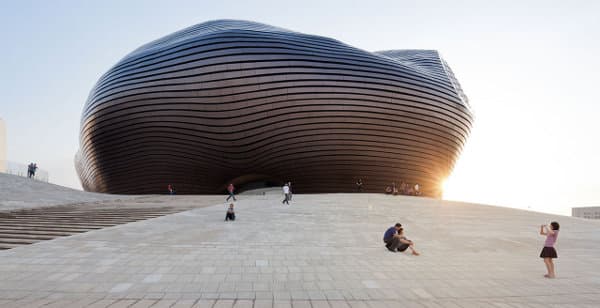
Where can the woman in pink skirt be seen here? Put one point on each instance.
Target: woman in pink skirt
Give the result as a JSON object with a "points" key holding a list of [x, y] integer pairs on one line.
{"points": [[548, 252]]}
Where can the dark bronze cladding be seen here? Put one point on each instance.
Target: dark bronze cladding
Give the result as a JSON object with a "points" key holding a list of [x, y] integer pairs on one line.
{"points": [[243, 102]]}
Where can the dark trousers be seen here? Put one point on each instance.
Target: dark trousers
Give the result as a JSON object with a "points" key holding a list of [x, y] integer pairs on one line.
{"points": [[392, 243], [286, 200], [229, 216], [231, 195]]}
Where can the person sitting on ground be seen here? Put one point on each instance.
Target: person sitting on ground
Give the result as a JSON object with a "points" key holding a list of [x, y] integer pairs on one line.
{"points": [[405, 243], [395, 240], [230, 215], [388, 190], [390, 237], [171, 189]]}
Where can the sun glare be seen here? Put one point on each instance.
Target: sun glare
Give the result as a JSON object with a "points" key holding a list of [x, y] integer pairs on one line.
{"points": [[452, 189]]}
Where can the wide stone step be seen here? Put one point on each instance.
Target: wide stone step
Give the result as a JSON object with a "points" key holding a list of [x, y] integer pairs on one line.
{"points": [[23, 227]]}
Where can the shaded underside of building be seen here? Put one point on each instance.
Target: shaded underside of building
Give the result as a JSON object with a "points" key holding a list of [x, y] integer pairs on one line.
{"points": [[240, 102]]}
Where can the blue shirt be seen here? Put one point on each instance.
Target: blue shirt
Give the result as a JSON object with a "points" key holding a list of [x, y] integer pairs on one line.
{"points": [[390, 233]]}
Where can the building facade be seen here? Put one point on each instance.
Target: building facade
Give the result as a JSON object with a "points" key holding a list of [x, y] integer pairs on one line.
{"points": [[2, 146], [592, 212], [241, 102]]}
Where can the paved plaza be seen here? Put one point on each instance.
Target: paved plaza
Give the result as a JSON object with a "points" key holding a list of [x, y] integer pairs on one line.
{"points": [[321, 251]]}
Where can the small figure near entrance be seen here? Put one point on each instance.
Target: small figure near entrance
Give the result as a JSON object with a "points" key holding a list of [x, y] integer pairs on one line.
{"points": [[290, 191], [548, 252], [231, 190], [230, 215], [359, 185], [171, 189], [286, 192]]}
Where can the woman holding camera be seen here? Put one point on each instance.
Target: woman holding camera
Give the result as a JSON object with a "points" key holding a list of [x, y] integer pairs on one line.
{"points": [[548, 252]]}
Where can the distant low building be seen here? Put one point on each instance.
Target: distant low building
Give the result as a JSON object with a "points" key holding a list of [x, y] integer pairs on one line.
{"points": [[592, 212], [2, 146]]}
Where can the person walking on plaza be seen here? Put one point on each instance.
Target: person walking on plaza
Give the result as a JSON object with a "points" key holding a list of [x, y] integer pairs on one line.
{"points": [[290, 191], [231, 190], [548, 252], [286, 192], [230, 215]]}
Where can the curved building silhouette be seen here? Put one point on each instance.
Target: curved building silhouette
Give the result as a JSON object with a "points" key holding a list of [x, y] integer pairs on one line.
{"points": [[240, 102]]}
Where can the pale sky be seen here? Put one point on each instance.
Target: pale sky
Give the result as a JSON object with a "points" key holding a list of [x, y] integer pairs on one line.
{"points": [[529, 68]]}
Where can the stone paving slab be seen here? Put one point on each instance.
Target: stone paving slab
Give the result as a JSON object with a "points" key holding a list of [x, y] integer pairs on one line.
{"points": [[321, 251]]}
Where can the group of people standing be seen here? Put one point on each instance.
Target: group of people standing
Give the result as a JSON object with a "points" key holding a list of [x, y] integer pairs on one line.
{"points": [[31, 169], [404, 189]]}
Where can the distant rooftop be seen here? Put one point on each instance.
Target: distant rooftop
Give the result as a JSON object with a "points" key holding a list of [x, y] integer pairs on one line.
{"points": [[588, 212]]}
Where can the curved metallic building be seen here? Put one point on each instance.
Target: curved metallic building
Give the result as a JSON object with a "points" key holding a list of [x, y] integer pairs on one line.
{"points": [[243, 102]]}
